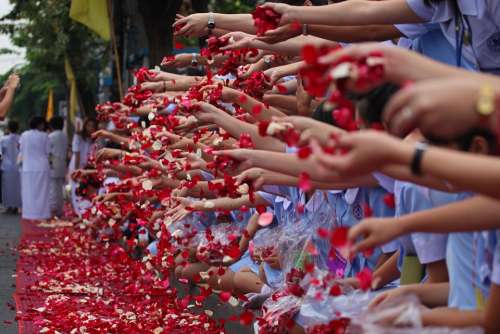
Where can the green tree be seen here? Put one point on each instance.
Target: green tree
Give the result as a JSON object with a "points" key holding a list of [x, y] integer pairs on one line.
{"points": [[48, 34]]}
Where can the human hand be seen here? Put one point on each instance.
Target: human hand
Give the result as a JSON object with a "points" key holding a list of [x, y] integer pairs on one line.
{"points": [[281, 34], [441, 108], [254, 176], [373, 232], [194, 25], [288, 13], [365, 152], [388, 296], [180, 60], [13, 81]]}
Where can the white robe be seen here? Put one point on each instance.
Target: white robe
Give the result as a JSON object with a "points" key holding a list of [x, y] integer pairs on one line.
{"points": [[58, 153], [11, 180], [82, 147], [35, 174]]}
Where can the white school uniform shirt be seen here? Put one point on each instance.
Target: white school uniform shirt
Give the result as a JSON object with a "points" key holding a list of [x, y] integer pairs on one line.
{"points": [[82, 146], [58, 150], [481, 19], [35, 149], [10, 151]]}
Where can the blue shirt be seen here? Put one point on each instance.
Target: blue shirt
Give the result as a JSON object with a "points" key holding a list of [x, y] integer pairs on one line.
{"points": [[478, 21]]}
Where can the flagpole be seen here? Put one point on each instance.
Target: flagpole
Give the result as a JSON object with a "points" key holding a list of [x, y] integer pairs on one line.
{"points": [[115, 48]]}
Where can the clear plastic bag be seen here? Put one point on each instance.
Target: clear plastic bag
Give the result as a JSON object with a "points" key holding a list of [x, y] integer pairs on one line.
{"points": [[320, 305], [401, 316], [279, 311], [220, 244]]}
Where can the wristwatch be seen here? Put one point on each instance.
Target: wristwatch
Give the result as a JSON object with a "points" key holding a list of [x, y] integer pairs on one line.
{"points": [[416, 163], [211, 22], [194, 59], [268, 60], [486, 102], [305, 30]]}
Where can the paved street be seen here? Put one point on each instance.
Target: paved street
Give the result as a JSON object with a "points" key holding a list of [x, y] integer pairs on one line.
{"points": [[9, 236]]}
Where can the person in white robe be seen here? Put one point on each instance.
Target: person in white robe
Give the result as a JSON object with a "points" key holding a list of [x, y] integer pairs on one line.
{"points": [[81, 147], [58, 161], [35, 171], [11, 181]]}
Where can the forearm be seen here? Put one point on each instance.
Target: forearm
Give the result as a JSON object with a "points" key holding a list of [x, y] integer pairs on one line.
{"points": [[473, 172], [235, 22], [355, 34], [286, 102], [265, 114], [228, 204], [473, 214], [6, 102], [430, 294], [118, 139], [387, 272], [292, 165], [401, 172], [235, 128], [357, 12], [452, 318], [292, 46]]}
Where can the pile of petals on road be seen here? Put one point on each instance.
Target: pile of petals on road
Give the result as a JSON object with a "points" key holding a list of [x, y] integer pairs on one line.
{"points": [[78, 285]]}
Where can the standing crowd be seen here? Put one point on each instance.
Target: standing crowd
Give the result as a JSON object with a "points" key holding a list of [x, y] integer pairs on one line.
{"points": [[333, 171]]}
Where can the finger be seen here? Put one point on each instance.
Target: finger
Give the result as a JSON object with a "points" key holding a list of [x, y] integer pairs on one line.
{"points": [[258, 183], [398, 101], [185, 30], [377, 301], [403, 122], [179, 20], [363, 245], [355, 232]]}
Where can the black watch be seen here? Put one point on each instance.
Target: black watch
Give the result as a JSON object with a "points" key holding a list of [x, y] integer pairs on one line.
{"points": [[211, 22]]}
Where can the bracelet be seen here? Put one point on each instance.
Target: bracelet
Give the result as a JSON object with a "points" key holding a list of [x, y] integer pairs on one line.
{"points": [[416, 163], [486, 102], [305, 30]]}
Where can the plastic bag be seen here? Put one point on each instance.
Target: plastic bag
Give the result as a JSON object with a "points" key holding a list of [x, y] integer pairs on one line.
{"points": [[279, 311], [401, 316], [220, 244], [326, 300]]}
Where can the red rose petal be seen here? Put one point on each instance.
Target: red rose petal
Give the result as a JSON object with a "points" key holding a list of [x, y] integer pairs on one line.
{"points": [[265, 219]]}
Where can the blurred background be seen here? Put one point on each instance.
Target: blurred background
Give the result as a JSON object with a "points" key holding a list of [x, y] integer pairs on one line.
{"points": [[73, 54]]}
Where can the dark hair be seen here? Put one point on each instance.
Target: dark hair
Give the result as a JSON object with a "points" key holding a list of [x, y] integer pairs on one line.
{"points": [[372, 104], [83, 133], [13, 126], [146, 121], [322, 115], [465, 141], [56, 123], [38, 121]]}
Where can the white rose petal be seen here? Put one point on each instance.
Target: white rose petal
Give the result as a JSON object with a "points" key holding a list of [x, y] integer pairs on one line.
{"points": [[157, 145], [243, 189], [341, 71], [233, 301], [209, 205], [147, 185]]}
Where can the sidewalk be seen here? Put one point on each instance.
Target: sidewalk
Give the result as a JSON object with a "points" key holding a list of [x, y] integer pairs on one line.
{"points": [[9, 237]]}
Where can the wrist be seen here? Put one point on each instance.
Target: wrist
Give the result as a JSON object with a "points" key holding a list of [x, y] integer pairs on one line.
{"points": [[402, 153]]}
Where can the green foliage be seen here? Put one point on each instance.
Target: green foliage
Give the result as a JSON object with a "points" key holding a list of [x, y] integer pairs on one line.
{"points": [[48, 34], [228, 6]]}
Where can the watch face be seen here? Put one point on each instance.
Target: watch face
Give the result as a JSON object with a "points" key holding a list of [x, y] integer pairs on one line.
{"points": [[211, 25]]}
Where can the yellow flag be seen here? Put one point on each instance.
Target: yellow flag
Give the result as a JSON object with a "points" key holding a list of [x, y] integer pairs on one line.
{"points": [[73, 94], [50, 105], [93, 14]]}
